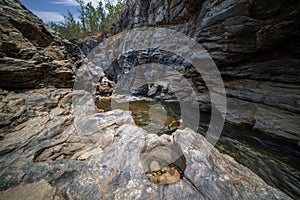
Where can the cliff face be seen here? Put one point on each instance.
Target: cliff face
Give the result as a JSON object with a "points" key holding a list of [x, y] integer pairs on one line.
{"points": [[31, 56], [54, 148], [255, 44]]}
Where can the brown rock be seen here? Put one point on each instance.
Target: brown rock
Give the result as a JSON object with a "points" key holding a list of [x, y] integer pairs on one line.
{"points": [[41, 190]]}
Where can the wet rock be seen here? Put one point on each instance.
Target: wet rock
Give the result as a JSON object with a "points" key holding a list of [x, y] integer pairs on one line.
{"points": [[98, 155], [248, 99], [255, 45], [51, 145]]}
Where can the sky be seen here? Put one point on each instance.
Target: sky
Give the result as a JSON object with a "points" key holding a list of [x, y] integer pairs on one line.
{"points": [[53, 10]]}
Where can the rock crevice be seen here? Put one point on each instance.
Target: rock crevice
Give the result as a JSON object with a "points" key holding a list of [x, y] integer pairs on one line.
{"points": [[55, 144], [255, 45]]}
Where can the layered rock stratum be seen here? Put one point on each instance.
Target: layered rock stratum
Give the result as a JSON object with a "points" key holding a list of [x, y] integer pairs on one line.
{"points": [[254, 43], [31, 55], [44, 155]]}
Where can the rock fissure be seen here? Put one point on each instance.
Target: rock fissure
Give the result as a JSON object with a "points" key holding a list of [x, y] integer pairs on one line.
{"points": [[51, 149]]}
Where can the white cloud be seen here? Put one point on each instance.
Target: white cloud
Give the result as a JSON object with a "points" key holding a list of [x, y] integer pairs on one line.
{"points": [[74, 3], [65, 2], [49, 16]]}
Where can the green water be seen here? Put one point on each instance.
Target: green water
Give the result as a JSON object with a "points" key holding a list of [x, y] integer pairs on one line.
{"points": [[153, 116]]}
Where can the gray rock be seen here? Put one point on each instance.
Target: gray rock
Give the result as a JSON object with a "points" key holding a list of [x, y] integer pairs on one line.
{"points": [[31, 55], [51, 145], [45, 149], [255, 44], [46, 146], [154, 166], [41, 190]]}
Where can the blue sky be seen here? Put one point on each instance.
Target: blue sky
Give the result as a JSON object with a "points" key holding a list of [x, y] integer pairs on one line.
{"points": [[53, 10]]}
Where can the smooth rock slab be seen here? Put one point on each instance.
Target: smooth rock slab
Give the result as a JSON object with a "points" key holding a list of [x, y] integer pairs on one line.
{"points": [[44, 150]]}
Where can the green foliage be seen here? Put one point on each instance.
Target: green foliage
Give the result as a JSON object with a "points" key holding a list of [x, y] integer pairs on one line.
{"points": [[130, 26], [92, 19], [69, 28], [77, 41], [113, 13], [147, 24]]}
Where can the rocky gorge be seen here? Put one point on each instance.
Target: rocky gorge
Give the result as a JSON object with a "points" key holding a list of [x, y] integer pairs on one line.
{"points": [[255, 45], [56, 144]]}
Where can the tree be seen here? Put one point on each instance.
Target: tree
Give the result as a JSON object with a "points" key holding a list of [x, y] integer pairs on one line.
{"points": [[91, 19], [72, 26], [100, 15], [82, 12], [113, 13]]}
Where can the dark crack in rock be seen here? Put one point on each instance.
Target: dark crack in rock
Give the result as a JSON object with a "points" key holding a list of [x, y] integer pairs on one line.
{"points": [[255, 44]]}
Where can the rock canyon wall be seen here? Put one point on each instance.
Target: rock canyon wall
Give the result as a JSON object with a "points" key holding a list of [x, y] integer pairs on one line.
{"points": [[254, 43], [43, 155]]}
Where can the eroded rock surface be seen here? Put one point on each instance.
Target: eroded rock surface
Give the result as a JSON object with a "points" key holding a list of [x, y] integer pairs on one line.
{"points": [[42, 149], [31, 55], [52, 149], [255, 44], [41, 190]]}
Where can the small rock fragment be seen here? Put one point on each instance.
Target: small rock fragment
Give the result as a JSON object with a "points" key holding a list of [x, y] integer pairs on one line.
{"points": [[154, 166]]}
